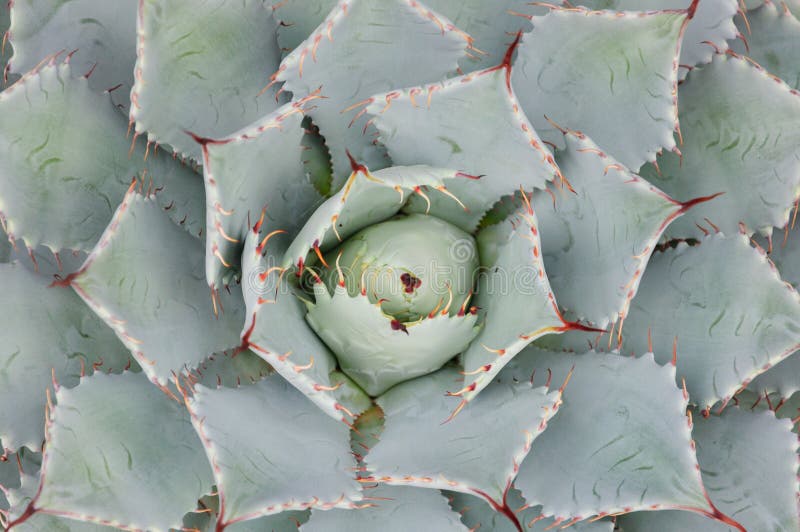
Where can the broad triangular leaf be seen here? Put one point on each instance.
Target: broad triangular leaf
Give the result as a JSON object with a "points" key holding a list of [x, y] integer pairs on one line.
{"points": [[67, 163], [257, 168], [396, 509], [772, 35], [145, 279], [727, 331], [739, 137], [625, 65], [710, 26], [276, 330], [472, 123], [186, 79], [514, 296], [596, 242], [362, 48], [96, 458], [620, 442], [45, 334], [273, 450], [477, 451], [749, 464], [100, 37]]}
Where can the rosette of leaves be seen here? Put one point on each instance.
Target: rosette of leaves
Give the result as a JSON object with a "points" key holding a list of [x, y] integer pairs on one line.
{"points": [[380, 265]]}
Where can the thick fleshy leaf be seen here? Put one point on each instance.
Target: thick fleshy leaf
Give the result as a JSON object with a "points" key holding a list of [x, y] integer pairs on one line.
{"points": [[206, 519], [276, 330], [596, 242], [45, 334], [95, 457], [299, 18], [19, 479], [711, 25], [398, 509], [258, 168], [477, 451], [472, 123], [145, 280], [186, 79], [302, 461], [604, 453], [230, 368], [749, 464], [477, 514], [514, 295], [783, 378], [772, 35], [67, 163], [5, 247], [372, 351], [739, 137], [52, 523], [626, 65], [727, 331], [5, 51], [366, 199], [100, 37], [363, 48]]}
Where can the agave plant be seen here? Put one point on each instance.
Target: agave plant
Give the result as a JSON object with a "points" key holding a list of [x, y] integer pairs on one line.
{"points": [[386, 265]]}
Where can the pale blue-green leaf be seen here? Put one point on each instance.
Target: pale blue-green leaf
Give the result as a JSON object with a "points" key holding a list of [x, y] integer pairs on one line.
{"points": [[472, 123], [206, 520], [317, 159], [276, 330], [783, 378], [201, 68], [516, 301], [712, 23], [398, 509], [749, 464], [366, 198], [230, 368], [597, 241], [259, 167], [363, 48], [626, 66], [477, 514], [477, 451], [114, 435], [772, 35], [145, 280], [377, 355], [739, 137], [302, 461], [620, 442], [52, 523], [45, 333], [67, 163], [727, 331], [102, 36]]}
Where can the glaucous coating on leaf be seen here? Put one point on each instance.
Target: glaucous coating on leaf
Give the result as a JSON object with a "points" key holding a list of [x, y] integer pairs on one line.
{"points": [[409, 263]]}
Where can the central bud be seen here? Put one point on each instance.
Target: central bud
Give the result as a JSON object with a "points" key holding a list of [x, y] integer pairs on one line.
{"points": [[393, 303], [414, 266]]}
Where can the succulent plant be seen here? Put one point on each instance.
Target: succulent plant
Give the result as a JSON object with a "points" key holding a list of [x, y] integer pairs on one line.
{"points": [[391, 264]]}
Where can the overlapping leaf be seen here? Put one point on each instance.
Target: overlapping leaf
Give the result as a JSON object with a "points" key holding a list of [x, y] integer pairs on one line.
{"points": [[302, 460], [625, 65], [363, 48], [472, 123], [258, 168], [749, 464], [739, 137], [145, 279], [621, 440], [477, 451], [596, 242], [67, 163], [276, 330], [46, 334], [201, 68], [100, 36], [728, 331], [96, 457]]}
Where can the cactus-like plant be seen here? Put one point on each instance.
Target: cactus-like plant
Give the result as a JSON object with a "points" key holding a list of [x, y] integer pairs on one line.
{"points": [[392, 265]]}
